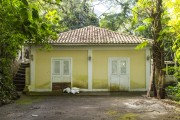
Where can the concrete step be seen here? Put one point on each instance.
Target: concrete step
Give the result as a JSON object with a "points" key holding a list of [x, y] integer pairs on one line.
{"points": [[20, 75], [18, 81]]}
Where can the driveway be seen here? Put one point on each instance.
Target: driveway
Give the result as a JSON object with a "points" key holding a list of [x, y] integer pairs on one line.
{"points": [[119, 106]]}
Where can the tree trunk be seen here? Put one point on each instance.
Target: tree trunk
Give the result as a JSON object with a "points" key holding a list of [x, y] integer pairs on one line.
{"points": [[158, 51], [151, 81], [154, 85]]}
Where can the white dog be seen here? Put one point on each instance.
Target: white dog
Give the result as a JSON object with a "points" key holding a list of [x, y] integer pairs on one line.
{"points": [[68, 90], [72, 90]]}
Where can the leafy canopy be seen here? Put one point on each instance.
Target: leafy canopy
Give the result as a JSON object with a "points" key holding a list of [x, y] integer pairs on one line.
{"points": [[20, 22]]}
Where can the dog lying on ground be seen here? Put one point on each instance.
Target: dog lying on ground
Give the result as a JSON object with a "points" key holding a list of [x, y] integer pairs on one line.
{"points": [[72, 90], [68, 90]]}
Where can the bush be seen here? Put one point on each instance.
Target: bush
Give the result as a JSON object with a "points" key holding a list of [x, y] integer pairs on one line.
{"points": [[171, 83], [7, 91], [173, 92]]}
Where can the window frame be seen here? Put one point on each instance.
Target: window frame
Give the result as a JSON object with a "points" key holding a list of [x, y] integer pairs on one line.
{"points": [[61, 74]]}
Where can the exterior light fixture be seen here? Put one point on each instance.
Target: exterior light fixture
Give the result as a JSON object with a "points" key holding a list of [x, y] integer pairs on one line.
{"points": [[89, 58], [148, 57]]}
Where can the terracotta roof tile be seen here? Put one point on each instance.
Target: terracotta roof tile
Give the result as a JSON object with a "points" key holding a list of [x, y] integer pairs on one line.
{"points": [[96, 35]]}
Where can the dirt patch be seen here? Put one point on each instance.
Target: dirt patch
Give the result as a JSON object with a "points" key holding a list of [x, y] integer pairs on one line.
{"points": [[105, 107], [153, 105], [150, 107]]}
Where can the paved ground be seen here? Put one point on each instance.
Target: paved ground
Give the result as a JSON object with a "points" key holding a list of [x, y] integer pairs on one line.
{"points": [[106, 106]]}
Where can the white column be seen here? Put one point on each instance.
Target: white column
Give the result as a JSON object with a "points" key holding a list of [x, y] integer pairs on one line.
{"points": [[148, 67], [32, 69], [89, 69]]}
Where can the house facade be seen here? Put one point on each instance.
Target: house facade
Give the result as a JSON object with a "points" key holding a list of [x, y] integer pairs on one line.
{"points": [[92, 59]]}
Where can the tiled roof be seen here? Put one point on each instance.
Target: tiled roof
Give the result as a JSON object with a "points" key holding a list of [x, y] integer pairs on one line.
{"points": [[95, 35]]}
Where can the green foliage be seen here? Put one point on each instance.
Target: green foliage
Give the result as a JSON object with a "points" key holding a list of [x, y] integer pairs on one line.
{"points": [[20, 23], [141, 28], [177, 72], [69, 14], [76, 14], [173, 92], [112, 21], [142, 45], [35, 22], [176, 48], [7, 90], [144, 20], [147, 21], [119, 21], [174, 24]]}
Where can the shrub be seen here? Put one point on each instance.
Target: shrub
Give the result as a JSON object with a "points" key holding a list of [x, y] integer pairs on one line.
{"points": [[7, 92], [173, 92]]}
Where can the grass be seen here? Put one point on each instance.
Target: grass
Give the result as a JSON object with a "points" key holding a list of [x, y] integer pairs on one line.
{"points": [[111, 112], [128, 116]]}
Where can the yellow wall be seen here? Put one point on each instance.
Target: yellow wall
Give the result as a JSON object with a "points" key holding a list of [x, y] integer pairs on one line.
{"points": [[43, 67], [137, 67], [99, 69]]}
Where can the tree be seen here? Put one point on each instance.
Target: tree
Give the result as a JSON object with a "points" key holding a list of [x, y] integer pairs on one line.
{"points": [[115, 22], [119, 21], [76, 14], [154, 11], [174, 25], [157, 18], [35, 22], [82, 14], [20, 23], [71, 14]]}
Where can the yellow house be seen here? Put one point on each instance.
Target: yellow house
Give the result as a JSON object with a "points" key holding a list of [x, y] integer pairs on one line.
{"points": [[92, 59]]}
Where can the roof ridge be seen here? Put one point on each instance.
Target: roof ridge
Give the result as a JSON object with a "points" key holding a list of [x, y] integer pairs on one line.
{"points": [[96, 35], [116, 31]]}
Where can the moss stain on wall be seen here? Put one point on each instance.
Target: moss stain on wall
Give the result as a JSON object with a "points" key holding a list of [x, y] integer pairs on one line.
{"points": [[100, 84], [80, 82]]}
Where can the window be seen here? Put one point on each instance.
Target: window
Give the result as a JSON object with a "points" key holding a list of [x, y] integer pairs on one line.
{"points": [[114, 67], [56, 65], [123, 67], [61, 67], [119, 67], [61, 70], [66, 67]]}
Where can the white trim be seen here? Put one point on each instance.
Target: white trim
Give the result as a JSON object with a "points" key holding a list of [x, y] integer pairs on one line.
{"points": [[140, 89], [95, 90], [148, 67], [109, 72], [89, 69], [124, 47], [95, 48]]}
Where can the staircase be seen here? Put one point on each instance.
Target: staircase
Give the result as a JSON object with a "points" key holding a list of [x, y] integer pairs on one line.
{"points": [[19, 79]]}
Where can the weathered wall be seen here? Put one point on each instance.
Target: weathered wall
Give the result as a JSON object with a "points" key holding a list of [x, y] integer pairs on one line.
{"points": [[99, 68], [137, 67], [43, 67]]}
